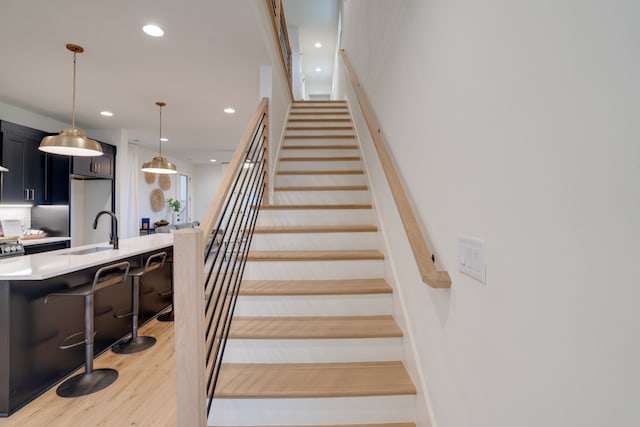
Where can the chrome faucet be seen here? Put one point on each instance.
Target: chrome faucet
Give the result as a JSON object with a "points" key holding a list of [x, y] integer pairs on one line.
{"points": [[114, 227]]}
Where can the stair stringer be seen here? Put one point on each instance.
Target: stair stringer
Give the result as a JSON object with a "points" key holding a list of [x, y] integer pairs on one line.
{"points": [[425, 416]]}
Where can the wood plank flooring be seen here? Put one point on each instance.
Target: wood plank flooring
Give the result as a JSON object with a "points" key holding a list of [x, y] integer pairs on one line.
{"points": [[143, 395]]}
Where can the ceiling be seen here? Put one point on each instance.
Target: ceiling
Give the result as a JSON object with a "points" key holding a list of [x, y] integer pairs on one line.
{"points": [[208, 60]]}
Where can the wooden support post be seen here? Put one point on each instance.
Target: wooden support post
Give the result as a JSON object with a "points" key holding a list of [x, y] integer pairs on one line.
{"points": [[188, 304]]}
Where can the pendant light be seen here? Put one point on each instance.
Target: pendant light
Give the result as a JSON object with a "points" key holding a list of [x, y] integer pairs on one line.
{"points": [[71, 142], [159, 164]]}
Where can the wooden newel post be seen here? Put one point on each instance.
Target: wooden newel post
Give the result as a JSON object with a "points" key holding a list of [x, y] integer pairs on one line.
{"points": [[188, 302]]}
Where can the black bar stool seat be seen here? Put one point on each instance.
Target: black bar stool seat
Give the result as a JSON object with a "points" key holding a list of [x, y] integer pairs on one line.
{"points": [[139, 343], [92, 380]]}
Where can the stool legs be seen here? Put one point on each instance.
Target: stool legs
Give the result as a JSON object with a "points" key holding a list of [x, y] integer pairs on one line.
{"points": [[91, 380], [135, 343], [168, 316]]}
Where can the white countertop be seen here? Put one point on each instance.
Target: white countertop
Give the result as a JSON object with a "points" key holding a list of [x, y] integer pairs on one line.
{"points": [[44, 240], [55, 263]]}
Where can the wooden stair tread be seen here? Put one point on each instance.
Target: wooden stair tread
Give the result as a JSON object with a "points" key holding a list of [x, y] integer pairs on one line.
{"points": [[320, 120], [275, 380], [314, 255], [319, 127], [317, 207], [315, 229], [321, 147], [303, 106], [311, 327], [320, 159], [319, 113], [323, 172], [343, 425], [323, 188], [314, 287], [328, 136]]}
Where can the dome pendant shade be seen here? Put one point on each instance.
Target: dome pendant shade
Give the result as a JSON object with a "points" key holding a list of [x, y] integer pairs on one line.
{"points": [[159, 164], [71, 142]]}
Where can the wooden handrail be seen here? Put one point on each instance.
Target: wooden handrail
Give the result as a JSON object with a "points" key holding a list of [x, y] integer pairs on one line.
{"points": [[279, 24], [430, 275], [215, 206]]}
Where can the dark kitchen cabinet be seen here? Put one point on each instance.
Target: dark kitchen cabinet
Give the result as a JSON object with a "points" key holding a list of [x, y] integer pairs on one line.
{"points": [[34, 176], [96, 167]]}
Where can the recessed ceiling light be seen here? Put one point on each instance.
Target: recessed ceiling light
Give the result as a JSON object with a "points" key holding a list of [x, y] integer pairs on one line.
{"points": [[164, 139], [229, 110], [212, 160], [153, 30], [106, 113], [318, 44], [318, 69]]}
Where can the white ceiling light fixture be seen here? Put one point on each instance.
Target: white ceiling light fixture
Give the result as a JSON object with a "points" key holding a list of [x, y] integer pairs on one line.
{"points": [[159, 164], [71, 142], [164, 139], [106, 113], [229, 110], [318, 69], [153, 30], [212, 160], [318, 44]]}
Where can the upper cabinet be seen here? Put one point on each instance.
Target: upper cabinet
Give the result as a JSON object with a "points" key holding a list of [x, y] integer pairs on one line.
{"points": [[96, 167], [34, 176]]}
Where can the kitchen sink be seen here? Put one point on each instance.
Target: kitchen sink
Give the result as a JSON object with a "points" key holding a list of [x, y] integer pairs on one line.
{"points": [[89, 250]]}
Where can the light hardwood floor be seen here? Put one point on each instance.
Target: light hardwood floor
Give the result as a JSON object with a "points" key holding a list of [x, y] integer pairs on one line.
{"points": [[143, 395]]}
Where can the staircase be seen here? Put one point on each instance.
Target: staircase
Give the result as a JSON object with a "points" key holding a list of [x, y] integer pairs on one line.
{"points": [[313, 341]]}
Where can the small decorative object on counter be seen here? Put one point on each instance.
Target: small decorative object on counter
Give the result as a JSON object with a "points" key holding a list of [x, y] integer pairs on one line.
{"points": [[145, 223], [161, 223]]}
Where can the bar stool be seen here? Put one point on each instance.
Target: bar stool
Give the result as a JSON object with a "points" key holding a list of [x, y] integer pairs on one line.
{"points": [[91, 380], [139, 343]]}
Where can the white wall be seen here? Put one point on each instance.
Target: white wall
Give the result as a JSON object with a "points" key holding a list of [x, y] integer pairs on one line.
{"points": [[29, 119], [206, 178], [515, 122], [144, 190]]}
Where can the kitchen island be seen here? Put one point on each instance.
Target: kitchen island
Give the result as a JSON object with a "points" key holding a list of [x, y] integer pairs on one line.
{"points": [[30, 330]]}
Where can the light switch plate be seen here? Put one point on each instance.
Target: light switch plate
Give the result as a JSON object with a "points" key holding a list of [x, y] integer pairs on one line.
{"points": [[472, 258]]}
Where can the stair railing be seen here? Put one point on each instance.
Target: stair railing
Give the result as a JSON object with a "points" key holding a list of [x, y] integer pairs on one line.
{"points": [[423, 257], [209, 262], [281, 34]]}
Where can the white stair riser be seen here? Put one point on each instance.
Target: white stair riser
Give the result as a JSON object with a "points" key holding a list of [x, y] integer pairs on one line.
{"points": [[314, 241], [316, 217], [314, 305], [319, 131], [324, 112], [308, 180], [310, 411], [318, 152], [310, 270], [313, 351], [319, 142], [321, 197], [318, 103], [331, 165]]}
